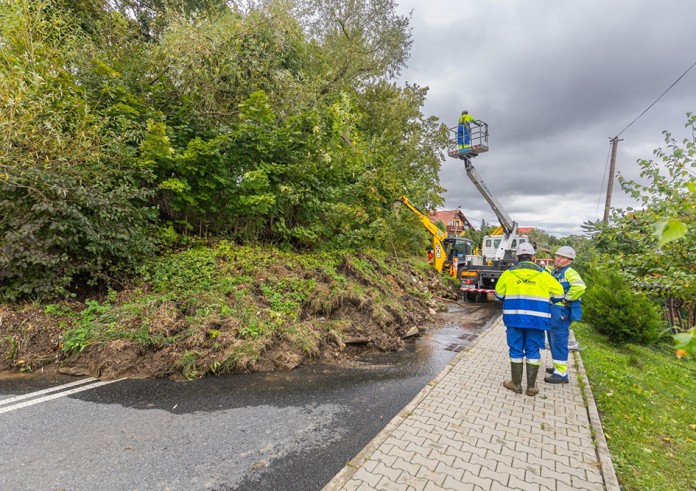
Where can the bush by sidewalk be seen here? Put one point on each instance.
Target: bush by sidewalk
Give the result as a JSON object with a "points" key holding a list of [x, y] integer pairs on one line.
{"points": [[618, 312]]}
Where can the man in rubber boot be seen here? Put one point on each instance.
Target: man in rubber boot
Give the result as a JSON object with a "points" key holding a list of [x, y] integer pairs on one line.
{"points": [[527, 291], [563, 314]]}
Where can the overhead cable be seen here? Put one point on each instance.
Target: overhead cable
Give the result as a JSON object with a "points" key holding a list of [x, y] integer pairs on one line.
{"points": [[651, 105]]}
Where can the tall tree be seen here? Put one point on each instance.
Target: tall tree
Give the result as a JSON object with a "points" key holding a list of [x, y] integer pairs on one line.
{"points": [[361, 39]]}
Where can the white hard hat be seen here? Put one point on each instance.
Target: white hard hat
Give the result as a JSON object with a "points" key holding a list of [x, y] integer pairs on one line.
{"points": [[566, 251], [525, 248]]}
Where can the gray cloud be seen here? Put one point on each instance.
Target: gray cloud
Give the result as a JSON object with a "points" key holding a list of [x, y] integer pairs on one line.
{"points": [[554, 80]]}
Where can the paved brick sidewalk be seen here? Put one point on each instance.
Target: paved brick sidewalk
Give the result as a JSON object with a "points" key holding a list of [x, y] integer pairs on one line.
{"points": [[466, 431]]}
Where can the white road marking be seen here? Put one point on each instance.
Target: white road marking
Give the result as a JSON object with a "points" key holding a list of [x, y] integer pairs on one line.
{"points": [[56, 396], [46, 391]]}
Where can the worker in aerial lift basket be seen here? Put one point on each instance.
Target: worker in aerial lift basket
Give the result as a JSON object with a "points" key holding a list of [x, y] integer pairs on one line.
{"points": [[464, 130], [526, 291], [564, 313]]}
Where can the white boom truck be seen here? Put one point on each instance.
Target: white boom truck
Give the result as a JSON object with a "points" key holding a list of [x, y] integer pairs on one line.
{"points": [[480, 272]]}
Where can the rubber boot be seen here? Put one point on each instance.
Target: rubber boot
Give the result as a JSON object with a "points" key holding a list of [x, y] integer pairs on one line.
{"points": [[532, 371], [515, 384]]}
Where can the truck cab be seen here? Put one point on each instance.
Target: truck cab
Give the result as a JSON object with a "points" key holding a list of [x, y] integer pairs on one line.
{"points": [[499, 246]]}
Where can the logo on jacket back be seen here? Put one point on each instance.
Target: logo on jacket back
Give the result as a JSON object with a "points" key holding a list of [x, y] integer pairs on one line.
{"points": [[526, 281]]}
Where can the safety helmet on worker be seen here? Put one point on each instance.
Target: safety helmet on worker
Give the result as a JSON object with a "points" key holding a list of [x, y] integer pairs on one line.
{"points": [[566, 251], [525, 248], [465, 112]]}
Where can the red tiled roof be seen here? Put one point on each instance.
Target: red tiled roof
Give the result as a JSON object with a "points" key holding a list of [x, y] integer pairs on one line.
{"points": [[445, 216]]}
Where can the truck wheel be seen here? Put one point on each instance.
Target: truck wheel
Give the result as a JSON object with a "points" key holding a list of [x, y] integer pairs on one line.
{"points": [[471, 296]]}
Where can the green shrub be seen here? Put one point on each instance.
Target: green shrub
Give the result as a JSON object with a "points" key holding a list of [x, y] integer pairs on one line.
{"points": [[614, 309], [55, 229]]}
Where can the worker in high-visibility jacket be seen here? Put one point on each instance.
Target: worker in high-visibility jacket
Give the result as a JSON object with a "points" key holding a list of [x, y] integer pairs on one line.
{"points": [[527, 291], [564, 313], [464, 130]]}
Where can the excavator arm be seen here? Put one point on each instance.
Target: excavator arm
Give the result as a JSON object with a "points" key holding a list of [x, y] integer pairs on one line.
{"points": [[432, 228], [498, 231], [439, 253]]}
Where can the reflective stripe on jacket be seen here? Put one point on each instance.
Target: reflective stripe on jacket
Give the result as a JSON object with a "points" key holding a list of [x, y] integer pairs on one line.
{"points": [[527, 291]]}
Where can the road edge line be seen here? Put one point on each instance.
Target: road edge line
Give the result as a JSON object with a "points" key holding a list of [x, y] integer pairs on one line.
{"points": [[32, 402], [29, 395]]}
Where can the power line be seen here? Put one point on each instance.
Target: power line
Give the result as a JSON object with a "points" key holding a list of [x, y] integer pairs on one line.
{"points": [[651, 105]]}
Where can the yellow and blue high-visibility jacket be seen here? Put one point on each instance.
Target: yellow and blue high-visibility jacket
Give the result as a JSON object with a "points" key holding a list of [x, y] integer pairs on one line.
{"points": [[527, 291], [574, 288], [572, 283], [466, 119]]}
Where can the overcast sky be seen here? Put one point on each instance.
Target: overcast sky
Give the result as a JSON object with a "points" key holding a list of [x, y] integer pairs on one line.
{"points": [[554, 80]]}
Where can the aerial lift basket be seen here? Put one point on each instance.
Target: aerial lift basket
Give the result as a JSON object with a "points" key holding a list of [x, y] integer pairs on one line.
{"points": [[478, 144]]}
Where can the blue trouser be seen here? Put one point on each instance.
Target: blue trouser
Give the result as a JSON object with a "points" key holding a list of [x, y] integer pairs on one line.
{"points": [[558, 337], [525, 342], [463, 135]]}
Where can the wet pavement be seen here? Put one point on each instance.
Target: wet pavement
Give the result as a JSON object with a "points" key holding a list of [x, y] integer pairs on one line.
{"points": [[464, 431], [279, 430]]}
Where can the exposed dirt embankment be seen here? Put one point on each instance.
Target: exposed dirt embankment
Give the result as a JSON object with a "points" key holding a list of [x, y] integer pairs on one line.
{"points": [[211, 312]]}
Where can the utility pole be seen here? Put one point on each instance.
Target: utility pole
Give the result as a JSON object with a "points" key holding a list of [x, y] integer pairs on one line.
{"points": [[610, 185]]}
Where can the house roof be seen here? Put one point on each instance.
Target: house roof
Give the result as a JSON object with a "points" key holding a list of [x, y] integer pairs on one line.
{"points": [[445, 216]]}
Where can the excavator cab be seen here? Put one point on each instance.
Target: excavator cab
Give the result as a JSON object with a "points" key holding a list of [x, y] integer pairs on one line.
{"points": [[478, 141], [456, 250], [458, 247]]}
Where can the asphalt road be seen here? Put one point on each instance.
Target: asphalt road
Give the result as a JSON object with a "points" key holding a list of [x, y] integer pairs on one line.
{"points": [[266, 431]]}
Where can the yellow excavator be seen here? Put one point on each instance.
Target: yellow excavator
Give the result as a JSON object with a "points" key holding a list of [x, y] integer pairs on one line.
{"points": [[447, 251]]}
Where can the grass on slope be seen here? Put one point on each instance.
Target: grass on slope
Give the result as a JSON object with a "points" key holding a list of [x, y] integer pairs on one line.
{"points": [[647, 402], [223, 308]]}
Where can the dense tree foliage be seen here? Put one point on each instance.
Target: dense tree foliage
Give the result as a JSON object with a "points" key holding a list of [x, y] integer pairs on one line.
{"points": [[131, 124], [73, 198]]}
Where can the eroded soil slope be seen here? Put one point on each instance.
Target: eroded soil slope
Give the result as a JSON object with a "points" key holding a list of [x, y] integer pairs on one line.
{"points": [[221, 315]]}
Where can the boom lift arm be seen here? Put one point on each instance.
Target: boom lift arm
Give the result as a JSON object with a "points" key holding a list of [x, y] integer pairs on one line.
{"points": [[479, 145], [505, 238], [482, 269], [509, 226]]}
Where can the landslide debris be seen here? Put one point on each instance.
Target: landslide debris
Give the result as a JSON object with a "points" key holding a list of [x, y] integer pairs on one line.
{"points": [[227, 308]]}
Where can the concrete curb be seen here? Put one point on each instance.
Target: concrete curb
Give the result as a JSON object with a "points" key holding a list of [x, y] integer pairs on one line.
{"points": [[611, 482], [354, 464]]}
